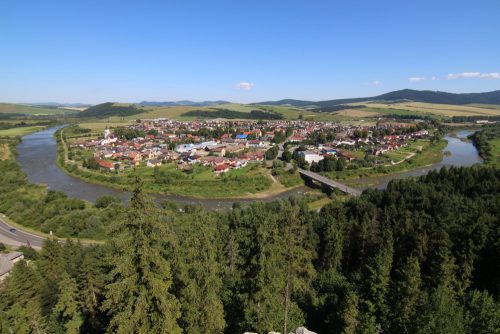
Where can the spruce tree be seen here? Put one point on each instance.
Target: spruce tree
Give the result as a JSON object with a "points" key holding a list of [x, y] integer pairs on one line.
{"points": [[137, 296], [200, 276], [67, 307]]}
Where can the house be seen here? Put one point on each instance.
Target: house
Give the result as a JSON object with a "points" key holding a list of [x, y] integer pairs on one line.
{"points": [[153, 162], [255, 143], [346, 155], [221, 168], [218, 151], [106, 164], [7, 262], [297, 138], [310, 156]]}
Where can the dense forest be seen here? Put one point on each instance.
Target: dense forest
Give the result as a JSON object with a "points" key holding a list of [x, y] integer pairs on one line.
{"points": [[421, 256], [109, 109]]}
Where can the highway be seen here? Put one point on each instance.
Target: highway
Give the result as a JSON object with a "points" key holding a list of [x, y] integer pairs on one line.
{"points": [[19, 237]]}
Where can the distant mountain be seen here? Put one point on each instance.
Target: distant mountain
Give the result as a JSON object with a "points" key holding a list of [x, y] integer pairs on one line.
{"points": [[182, 103], [399, 95]]}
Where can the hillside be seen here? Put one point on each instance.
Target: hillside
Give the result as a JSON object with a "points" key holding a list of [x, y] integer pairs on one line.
{"points": [[182, 103], [110, 109], [426, 96], [22, 109]]}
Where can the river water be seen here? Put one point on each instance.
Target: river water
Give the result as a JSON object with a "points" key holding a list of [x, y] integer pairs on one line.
{"points": [[37, 154], [461, 154]]}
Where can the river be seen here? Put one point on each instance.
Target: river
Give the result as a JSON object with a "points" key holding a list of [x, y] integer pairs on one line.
{"points": [[461, 154], [37, 154]]}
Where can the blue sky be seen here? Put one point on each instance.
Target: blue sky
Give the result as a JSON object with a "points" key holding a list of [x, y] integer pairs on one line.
{"points": [[244, 50]]}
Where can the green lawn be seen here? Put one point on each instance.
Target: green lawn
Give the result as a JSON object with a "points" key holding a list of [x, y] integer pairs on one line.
{"points": [[430, 154]]}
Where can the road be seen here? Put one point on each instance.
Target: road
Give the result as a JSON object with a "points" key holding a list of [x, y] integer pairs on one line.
{"points": [[19, 237]]}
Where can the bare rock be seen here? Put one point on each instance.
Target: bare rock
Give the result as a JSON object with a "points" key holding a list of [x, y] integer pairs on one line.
{"points": [[303, 330]]}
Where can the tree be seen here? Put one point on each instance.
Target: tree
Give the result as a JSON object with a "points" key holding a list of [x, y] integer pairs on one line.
{"points": [[67, 307], [138, 297], [440, 314], [482, 314], [199, 275], [20, 301], [287, 156], [91, 286], [405, 295]]}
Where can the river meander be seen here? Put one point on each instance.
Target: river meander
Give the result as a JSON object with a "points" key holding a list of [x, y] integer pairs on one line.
{"points": [[37, 154]]}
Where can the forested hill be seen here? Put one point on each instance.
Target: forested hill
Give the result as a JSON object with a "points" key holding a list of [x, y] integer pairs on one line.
{"points": [[419, 257], [404, 94], [109, 109]]}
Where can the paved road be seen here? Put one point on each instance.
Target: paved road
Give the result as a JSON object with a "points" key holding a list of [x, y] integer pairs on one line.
{"points": [[330, 182], [19, 237]]}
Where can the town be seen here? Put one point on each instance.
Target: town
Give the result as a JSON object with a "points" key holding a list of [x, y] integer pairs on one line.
{"points": [[224, 145]]}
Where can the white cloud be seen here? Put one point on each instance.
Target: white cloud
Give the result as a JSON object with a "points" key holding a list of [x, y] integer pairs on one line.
{"points": [[434, 78], [416, 79], [373, 83], [244, 85], [493, 75]]}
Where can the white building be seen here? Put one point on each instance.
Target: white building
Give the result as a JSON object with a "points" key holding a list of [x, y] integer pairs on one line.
{"points": [[310, 156]]}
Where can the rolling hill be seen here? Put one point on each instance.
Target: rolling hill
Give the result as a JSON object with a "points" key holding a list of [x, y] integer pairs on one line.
{"points": [[22, 109], [426, 96], [182, 103]]}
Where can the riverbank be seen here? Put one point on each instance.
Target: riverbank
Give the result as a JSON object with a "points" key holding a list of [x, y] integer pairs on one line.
{"points": [[427, 156], [250, 182], [487, 142]]}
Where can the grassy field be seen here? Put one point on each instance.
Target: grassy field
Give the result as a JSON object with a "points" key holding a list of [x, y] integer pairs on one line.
{"points": [[495, 152], [31, 110], [432, 109], [20, 131], [429, 155], [250, 181], [179, 111]]}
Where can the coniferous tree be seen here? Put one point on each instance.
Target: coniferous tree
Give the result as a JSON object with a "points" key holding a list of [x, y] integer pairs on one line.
{"points": [[20, 301], [91, 288], [138, 297], [200, 276], [67, 307]]}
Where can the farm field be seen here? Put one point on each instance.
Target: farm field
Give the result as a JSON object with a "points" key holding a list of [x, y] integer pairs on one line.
{"points": [[8, 108], [433, 109], [20, 131]]}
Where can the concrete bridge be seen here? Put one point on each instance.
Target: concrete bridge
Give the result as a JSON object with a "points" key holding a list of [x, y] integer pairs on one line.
{"points": [[329, 182]]}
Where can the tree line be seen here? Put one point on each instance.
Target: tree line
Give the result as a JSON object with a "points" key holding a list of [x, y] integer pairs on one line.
{"points": [[418, 257]]}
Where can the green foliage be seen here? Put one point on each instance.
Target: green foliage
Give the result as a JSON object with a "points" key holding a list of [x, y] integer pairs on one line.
{"points": [[105, 201], [138, 295], [418, 257], [109, 109], [482, 139]]}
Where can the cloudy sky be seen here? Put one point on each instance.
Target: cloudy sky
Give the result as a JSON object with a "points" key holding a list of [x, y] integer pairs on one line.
{"points": [[244, 51]]}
